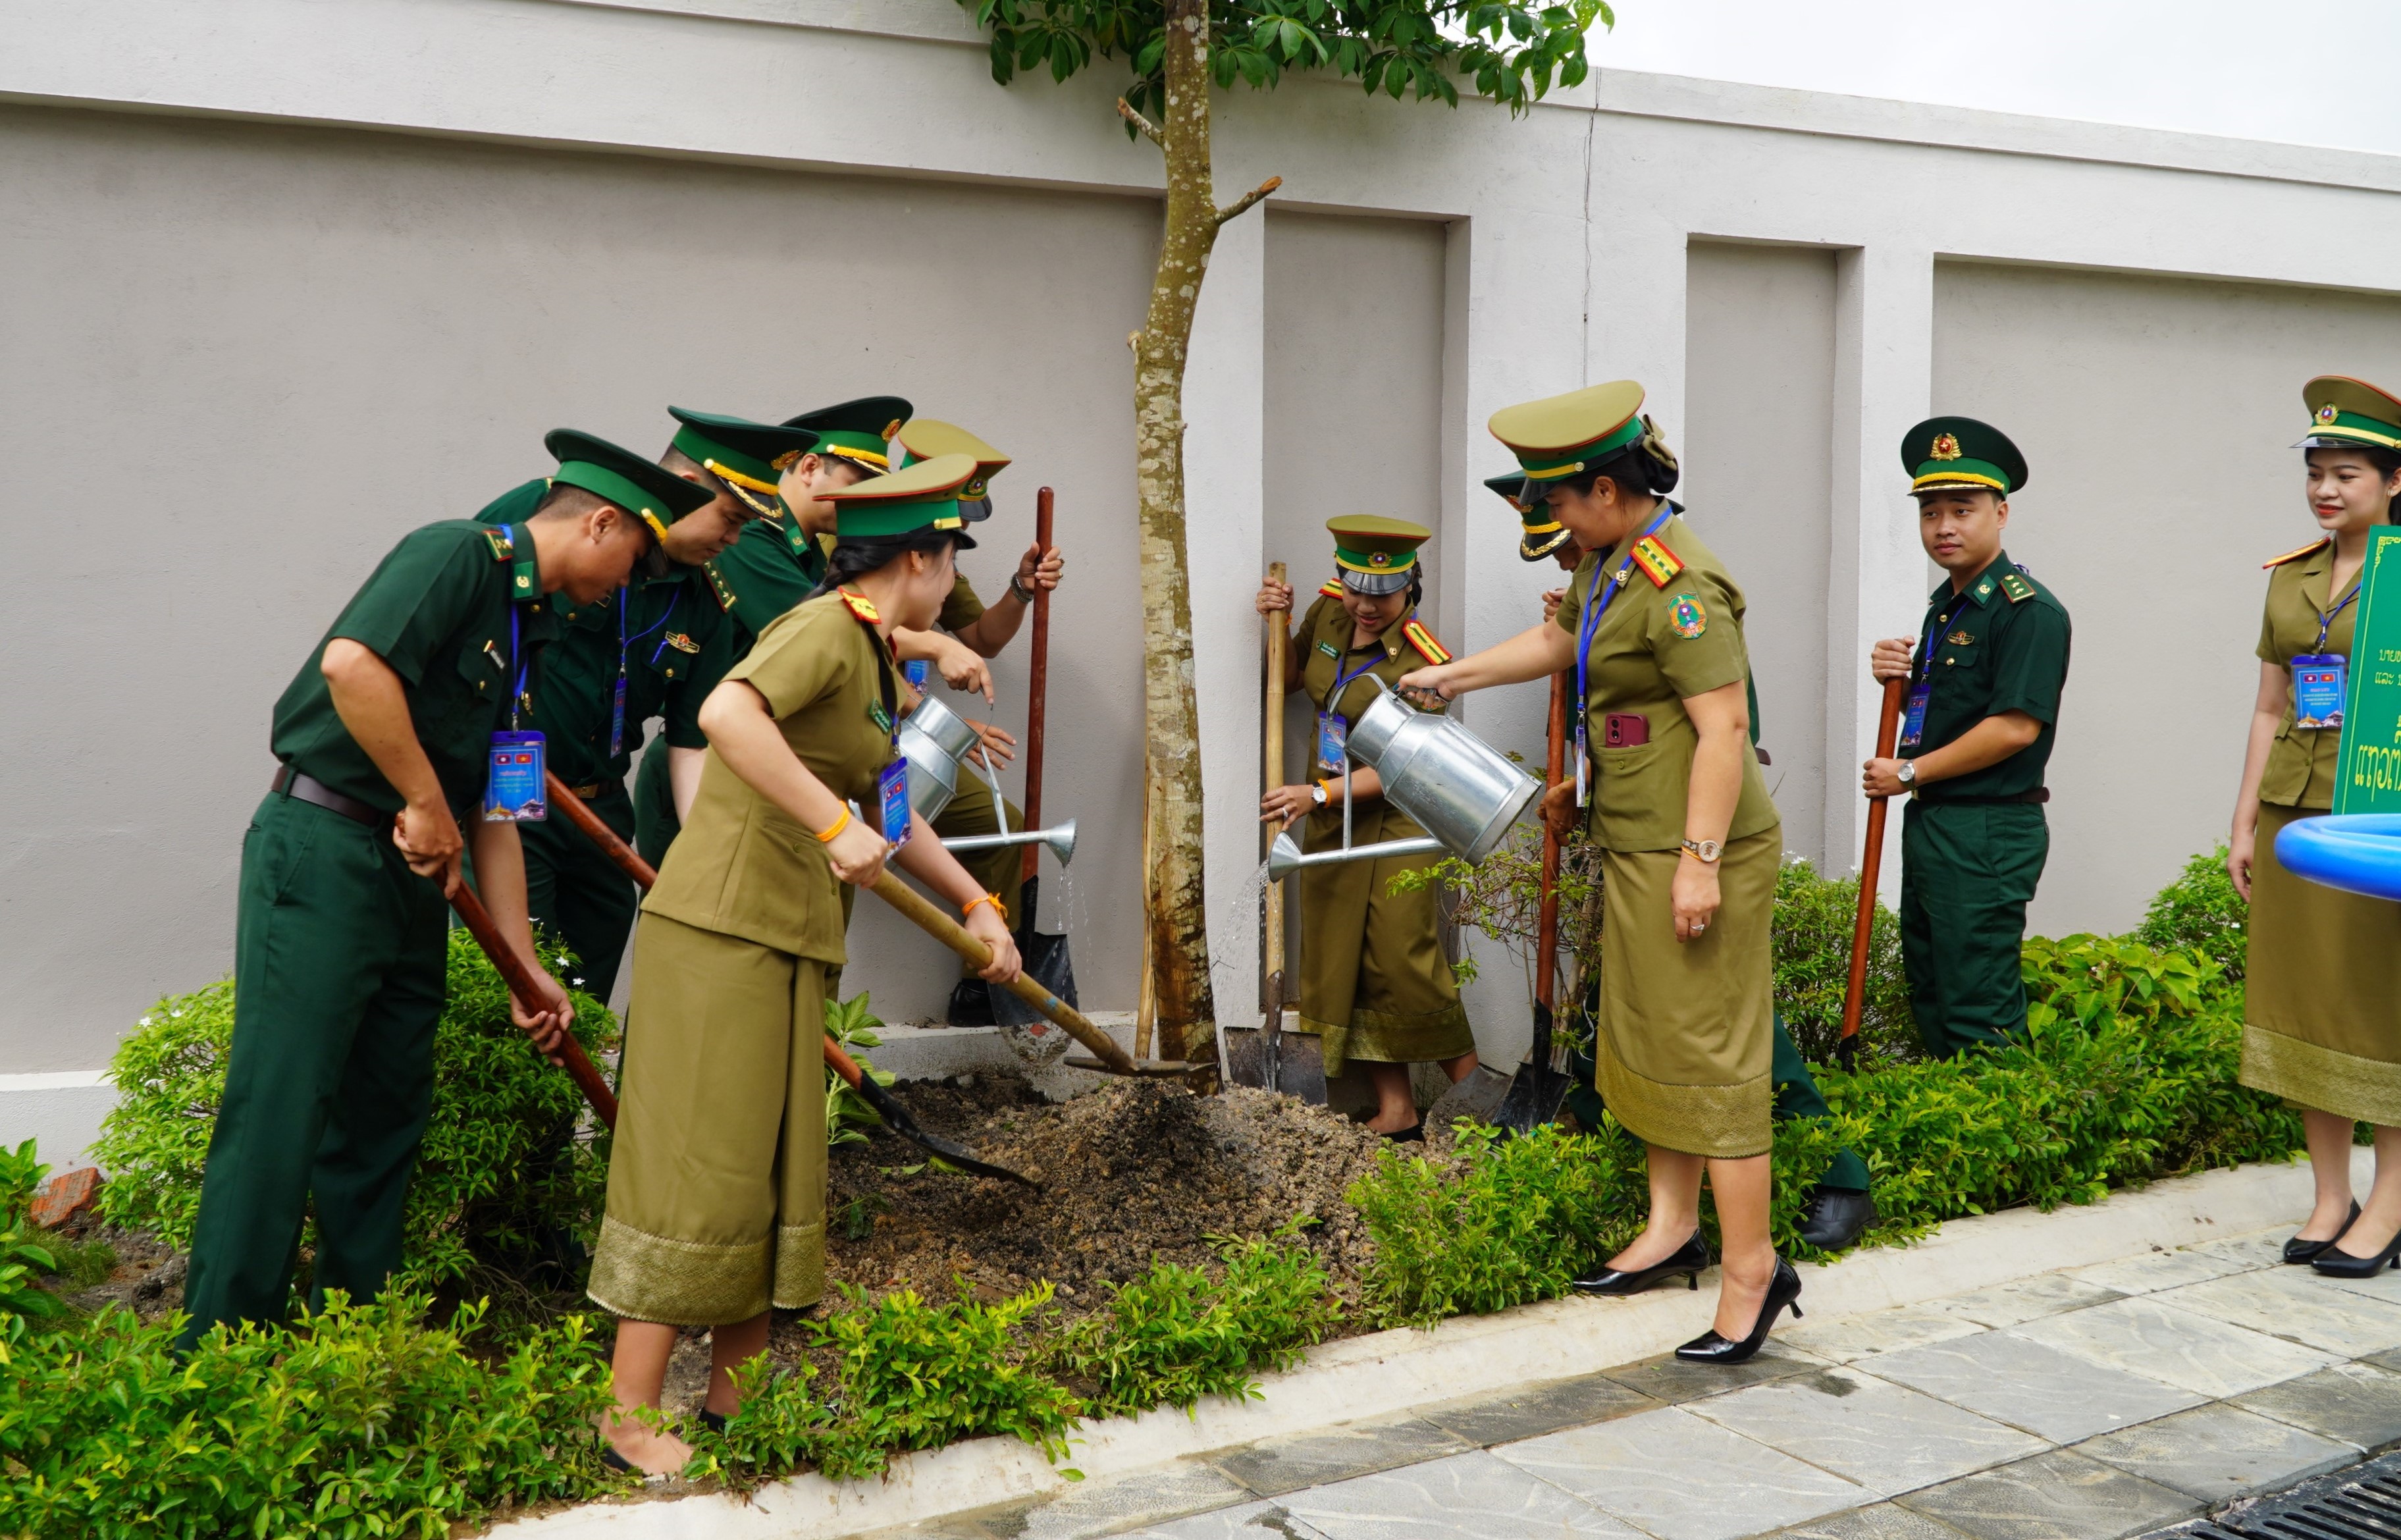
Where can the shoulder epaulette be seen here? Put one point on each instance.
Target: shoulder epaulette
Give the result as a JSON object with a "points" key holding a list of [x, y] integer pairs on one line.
{"points": [[1422, 640], [1333, 589], [717, 586], [1658, 563], [860, 606], [2017, 587], [2311, 549]]}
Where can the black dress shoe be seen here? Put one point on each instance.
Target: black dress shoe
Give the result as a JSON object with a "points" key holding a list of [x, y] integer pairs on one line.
{"points": [[2336, 1263], [970, 1004], [615, 1461], [1414, 1133], [1835, 1218], [1690, 1259], [713, 1421], [2297, 1250], [1710, 1348]]}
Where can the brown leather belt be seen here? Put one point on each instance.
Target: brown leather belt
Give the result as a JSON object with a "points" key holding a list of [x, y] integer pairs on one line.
{"points": [[588, 792], [310, 789]]}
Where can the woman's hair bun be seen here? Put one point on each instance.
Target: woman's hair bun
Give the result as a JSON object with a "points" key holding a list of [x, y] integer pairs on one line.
{"points": [[1663, 472]]}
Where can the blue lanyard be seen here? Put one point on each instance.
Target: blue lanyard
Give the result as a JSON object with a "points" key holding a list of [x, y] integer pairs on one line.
{"points": [[1933, 628], [1343, 681], [517, 661], [626, 642], [2326, 622], [1597, 605]]}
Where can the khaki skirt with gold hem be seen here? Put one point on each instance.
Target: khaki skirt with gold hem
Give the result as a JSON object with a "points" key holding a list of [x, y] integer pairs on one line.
{"points": [[2322, 990], [716, 1177], [1686, 1041], [1374, 986]]}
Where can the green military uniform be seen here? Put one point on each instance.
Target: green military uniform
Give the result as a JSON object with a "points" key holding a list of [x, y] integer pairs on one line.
{"points": [[1684, 1029], [2325, 966], [1972, 847], [339, 950], [1374, 986], [716, 1206]]}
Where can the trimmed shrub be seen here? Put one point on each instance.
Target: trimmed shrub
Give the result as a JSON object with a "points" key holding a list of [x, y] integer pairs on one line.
{"points": [[2201, 912], [1812, 938]]}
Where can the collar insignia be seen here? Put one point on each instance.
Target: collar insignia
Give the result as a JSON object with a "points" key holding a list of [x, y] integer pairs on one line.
{"points": [[2311, 549], [1333, 589], [1658, 563], [860, 606], [1422, 640]]}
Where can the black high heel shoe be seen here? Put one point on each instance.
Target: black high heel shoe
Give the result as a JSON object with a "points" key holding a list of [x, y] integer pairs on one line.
{"points": [[1690, 1259], [2342, 1264], [2297, 1250], [1783, 1290]]}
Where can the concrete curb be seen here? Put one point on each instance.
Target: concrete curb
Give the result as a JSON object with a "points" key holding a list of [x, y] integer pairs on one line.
{"points": [[1393, 1371]]}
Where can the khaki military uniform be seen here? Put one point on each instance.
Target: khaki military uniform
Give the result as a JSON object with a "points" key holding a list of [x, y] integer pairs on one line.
{"points": [[1685, 1029], [1374, 983], [716, 1202], [2320, 1025]]}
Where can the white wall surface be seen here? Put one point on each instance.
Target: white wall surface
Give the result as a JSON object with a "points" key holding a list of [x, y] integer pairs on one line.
{"points": [[315, 267], [2156, 419]]}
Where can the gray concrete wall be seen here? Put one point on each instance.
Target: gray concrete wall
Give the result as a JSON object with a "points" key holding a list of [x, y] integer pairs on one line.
{"points": [[2156, 418], [241, 359], [1758, 448]]}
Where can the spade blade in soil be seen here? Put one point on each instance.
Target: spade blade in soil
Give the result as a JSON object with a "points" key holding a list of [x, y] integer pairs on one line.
{"points": [[898, 1120], [1299, 1067], [1034, 1037], [1535, 1093], [1476, 1098]]}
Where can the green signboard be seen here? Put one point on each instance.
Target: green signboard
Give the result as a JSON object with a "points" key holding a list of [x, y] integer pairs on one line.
{"points": [[2368, 780]]}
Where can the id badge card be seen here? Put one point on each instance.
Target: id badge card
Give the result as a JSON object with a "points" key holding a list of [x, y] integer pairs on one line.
{"points": [[892, 796], [1333, 739], [513, 783], [1913, 720], [617, 718], [917, 671], [2318, 680], [1583, 768]]}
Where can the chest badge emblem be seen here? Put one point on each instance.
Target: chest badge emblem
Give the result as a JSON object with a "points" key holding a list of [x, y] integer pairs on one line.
{"points": [[682, 643], [1958, 639]]}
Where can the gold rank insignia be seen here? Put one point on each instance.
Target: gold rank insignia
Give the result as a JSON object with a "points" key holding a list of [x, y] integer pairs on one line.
{"points": [[1422, 640], [717, 585], [1658, 563], [682, 643], [1333, 589], [1946, 447], [2018, 588], [2311, 549], [860, 606]]}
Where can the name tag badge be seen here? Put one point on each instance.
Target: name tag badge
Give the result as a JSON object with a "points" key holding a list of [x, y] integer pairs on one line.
{"points": [[892, 793], [617, 718], [1333, 739], [1913, 720], [2318, 680], [1583, 767], [918, 671], [513, 783]]}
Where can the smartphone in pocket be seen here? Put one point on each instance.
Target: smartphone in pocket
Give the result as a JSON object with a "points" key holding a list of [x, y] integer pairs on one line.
{"points": [[1624, 730]]}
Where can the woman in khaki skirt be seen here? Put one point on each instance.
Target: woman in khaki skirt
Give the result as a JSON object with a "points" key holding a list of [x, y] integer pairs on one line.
{"points": [[1375, 986], [2322, 1016], [717, 1178], [1690, 841]]}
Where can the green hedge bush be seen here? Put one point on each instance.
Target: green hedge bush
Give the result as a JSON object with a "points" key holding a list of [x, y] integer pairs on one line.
{"points": [[2201, 912]]}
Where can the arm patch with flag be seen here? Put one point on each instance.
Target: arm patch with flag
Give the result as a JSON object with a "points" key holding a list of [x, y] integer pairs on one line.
{"points": [[1658, 563], [1422, 640]]}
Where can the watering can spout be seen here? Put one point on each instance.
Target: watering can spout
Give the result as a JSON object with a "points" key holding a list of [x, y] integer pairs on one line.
{"points": [[1061, 841], [1283, 858]]}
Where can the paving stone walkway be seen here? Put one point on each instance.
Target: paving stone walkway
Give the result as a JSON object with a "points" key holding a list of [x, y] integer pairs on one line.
{"points": [[2086, 1405]]}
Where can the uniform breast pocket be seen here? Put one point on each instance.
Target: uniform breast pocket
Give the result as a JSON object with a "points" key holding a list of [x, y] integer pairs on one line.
{"points": [[1956, 659], [484, 664]]}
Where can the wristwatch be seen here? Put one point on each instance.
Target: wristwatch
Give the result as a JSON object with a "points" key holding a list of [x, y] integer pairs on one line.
{"points": [[1907, 774], [1706, 851], [1317, 792]]}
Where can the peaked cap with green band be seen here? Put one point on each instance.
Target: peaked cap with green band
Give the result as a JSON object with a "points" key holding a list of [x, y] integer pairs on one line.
{"points": [[1545, 535], [924, 496], [1956, 453], [924, 437], [2345, 413], [857, 430], [650, 492], [1561, 435], [749, 455], [1377, 555]]}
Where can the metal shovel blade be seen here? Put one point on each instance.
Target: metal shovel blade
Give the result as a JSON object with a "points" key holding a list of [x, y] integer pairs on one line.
{"points": [[1032, 1036], [1476, 1098], [897, 1118], [1537, 1090], [1298, 1061]]}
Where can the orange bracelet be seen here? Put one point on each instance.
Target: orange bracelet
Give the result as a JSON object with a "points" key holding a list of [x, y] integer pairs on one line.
{"points": [[991, 898], [1333, 792], [839, 825]]}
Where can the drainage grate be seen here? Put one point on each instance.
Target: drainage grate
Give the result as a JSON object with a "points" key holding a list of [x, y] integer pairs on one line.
{"points": [[2360, 1504]]}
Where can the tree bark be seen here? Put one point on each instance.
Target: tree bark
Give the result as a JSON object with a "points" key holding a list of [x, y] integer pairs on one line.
{"points": [[1175, 896]]}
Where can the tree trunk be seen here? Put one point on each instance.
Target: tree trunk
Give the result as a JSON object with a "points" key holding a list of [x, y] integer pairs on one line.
{"points": [[1175, 896]]}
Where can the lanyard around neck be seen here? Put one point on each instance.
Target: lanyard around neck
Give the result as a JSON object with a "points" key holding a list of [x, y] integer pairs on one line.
{"points": [[1596, 605], [1935, 628], [2327, 618]]}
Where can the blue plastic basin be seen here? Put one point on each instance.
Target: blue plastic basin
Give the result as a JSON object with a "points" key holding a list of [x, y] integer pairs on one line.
{"points": [[2358, 852]]}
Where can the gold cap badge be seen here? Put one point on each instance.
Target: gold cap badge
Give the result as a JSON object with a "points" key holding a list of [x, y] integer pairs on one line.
{"points": [[1946, 447], [2326, 413]]}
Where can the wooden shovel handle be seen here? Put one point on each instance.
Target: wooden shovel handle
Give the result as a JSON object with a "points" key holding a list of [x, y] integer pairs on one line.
{"points": [[948, 931], [617, 850], [1037, 689], [1855, 989], [1271, 965], [1546, 931], [532, 989]]}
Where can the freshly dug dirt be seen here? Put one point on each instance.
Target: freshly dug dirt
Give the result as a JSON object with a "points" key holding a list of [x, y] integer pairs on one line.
{"points": [[1137, 1171]]}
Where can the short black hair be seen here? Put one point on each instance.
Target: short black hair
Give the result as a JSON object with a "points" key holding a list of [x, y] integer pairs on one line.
{"points": [[566, 501], [855, 555]]}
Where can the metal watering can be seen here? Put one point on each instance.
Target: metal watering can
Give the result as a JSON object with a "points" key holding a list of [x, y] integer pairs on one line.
{"points": [[936, 741], [1460, 789]]}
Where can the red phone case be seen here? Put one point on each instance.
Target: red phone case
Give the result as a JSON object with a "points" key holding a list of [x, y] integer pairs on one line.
{"points": [[1624, 730]]}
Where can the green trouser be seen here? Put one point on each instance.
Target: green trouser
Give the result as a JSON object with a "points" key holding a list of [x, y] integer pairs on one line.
{"points": [[339, 965], [656, 824], [1967, 874], [577, 892], [1000, 871], [1796, 1096]]}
